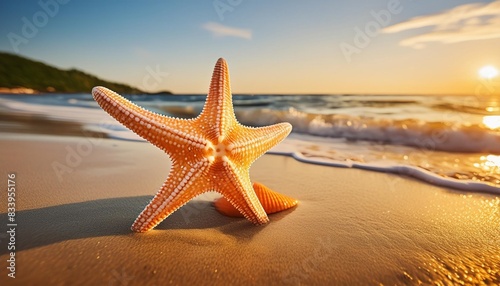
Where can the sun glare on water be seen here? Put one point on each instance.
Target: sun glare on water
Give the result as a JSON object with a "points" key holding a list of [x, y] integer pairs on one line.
{"points": [[493, 161], [488, 72], [489, 163], [492, 122]]}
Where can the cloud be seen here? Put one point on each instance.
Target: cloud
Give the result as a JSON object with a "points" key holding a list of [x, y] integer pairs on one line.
{"points": [[469, 22], [219, 30]]}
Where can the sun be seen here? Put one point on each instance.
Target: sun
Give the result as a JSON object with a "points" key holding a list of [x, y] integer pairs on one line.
{"points": [[488, 72]]}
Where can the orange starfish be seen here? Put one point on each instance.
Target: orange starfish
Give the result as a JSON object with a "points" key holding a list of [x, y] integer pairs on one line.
{"points": [[212, 152]]}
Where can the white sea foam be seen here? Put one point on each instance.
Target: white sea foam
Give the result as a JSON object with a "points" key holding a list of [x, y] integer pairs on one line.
{"points": [[444, 136], [338, 153]]}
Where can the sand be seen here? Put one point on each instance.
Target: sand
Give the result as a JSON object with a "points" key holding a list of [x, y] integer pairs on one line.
{"points": [[350, 227]]}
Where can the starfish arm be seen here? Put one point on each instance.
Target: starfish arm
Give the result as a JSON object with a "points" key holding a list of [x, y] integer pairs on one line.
{"points": [[257, 141], [162, 131], [236, 187], [182, 185], [218, 113]]}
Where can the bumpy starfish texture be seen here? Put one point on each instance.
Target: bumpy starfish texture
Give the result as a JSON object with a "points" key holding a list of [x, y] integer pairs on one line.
{"points": [[212, 152]]}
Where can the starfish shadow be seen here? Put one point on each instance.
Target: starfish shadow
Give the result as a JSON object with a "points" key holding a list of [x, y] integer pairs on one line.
{"points": [[113, 217], [243, 229], [202, 214]]}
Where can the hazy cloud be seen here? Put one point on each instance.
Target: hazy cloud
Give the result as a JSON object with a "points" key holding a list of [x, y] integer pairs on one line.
{"points": [[469, 22], [219, 30]]}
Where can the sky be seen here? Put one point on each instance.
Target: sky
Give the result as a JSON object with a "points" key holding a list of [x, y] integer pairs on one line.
{"points": [[272, 47]]}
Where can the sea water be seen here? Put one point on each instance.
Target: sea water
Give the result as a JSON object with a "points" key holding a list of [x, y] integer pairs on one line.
{"points": [[453, 141]]}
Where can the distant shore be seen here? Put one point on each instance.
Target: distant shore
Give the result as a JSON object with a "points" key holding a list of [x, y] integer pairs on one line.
{"points": [[20, 75]]}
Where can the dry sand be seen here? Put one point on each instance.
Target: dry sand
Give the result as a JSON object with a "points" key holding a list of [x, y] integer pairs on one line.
{"points": [[351, 226]]}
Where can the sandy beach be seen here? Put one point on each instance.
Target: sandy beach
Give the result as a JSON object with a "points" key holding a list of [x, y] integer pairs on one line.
{"points": [[350, 227], [370, 131]]}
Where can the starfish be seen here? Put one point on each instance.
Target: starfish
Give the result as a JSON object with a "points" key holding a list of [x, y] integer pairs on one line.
{"points": [[212, 152]]}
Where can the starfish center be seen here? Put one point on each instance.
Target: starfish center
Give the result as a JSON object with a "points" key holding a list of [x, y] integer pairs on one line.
{"points": [[220, 150], [217, 151]]}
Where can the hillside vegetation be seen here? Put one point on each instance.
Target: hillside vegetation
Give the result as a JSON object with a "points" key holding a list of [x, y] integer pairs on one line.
{"points": [[16, 71]]}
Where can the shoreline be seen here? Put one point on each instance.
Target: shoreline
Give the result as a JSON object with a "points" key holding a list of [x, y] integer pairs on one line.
{"points": [[473, 172], [351, 226], [403, 170]]}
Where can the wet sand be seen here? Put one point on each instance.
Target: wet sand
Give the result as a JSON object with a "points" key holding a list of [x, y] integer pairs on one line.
{"points": [[77, 197]]}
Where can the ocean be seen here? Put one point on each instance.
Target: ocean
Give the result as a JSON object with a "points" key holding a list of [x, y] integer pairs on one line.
{"points": [[451, 141]]}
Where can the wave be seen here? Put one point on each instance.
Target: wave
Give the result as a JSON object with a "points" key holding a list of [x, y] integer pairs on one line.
{"points": [[442, 136], [454, 135]]}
